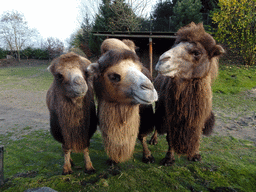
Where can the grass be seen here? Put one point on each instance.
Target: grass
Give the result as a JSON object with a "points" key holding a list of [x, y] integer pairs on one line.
{"points": [[35, 160], [233, 79], [27, 78]]}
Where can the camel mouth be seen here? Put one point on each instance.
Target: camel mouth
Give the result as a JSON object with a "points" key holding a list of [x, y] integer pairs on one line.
{"points": [[147, 100], [77, 94], [140, 100], [80, 94], [169, 72]]}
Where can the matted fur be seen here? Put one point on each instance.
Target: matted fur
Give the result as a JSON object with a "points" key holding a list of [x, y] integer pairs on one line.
{"points": [[184, 108], [119, 122], [73, 121], [119, 125]]}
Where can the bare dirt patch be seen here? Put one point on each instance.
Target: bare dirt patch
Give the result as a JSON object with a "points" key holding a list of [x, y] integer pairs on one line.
{"points": [[240, 124], [21, 109]]}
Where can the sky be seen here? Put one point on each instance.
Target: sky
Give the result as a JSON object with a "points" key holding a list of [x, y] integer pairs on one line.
{"points": [[52, 18]]}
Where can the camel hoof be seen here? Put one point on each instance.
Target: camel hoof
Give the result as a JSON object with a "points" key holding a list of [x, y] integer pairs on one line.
{"points": [[65, 172], [196, 157], [90, 171], [167, 161], [110, 162], [148, 160], [72, 163]]}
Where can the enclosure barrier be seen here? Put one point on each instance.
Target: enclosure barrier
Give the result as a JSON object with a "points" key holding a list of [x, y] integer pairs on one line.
{"points": [[1, 165]]}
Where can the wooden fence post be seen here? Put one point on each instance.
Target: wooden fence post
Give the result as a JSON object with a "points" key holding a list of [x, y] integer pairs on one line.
{"points": [[1, 165], [150, 56]]}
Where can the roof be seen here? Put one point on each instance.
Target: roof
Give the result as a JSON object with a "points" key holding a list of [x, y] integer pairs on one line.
{"points": [[147, 34]]}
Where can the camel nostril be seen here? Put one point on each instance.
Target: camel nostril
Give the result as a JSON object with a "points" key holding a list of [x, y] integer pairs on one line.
{"points": [[165, 59], [78, 80], [145, 86]]}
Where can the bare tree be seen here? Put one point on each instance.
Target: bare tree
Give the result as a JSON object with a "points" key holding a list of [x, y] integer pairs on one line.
{"points": [[54, 46], [14, 31]]}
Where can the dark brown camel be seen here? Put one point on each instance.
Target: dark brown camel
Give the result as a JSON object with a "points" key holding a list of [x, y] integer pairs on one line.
{"points": [[185, 75]]}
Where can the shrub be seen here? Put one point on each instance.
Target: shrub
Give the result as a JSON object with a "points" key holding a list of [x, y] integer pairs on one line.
{"points": [[3, 53], [28, 52], [41, 54], [236, 21]]}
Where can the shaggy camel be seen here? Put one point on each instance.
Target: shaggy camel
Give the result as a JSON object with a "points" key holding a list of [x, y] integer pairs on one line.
{"points": [[70, 102], [120, 87], [185, 75], [146, 111]]}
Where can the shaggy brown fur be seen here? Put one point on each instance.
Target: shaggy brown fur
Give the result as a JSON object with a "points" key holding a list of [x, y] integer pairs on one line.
{"points": [[184, 108], [146, 111], [71, 105], [113, 43], [119, 117]]}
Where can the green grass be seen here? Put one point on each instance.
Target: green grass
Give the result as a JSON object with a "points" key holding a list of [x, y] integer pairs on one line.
{"points": [[27, 78], [36, 160], [233, 79]]}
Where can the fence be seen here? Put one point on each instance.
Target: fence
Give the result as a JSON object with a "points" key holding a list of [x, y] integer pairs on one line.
{"points": [[1, 165]]}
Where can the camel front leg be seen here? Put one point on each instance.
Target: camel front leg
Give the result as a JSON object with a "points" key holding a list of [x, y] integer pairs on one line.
{"points": [[169, 157], [195, 156], [147, 156], [67, 161], [87, 161]]}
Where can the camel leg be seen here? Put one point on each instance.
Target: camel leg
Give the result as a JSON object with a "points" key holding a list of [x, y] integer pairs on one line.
{"points": [[67, 161], [195, 156], [153, 140], [169, 157], [87, 161], [147, 156]]}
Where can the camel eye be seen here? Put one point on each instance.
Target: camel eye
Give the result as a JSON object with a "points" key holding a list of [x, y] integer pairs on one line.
{"points": [[59, 76], [114, 77], [196, 53]]}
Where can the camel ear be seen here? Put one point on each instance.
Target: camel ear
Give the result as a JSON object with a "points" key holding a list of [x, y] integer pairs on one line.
{"points": [[50, 68], [93, 69], [217, 51]]}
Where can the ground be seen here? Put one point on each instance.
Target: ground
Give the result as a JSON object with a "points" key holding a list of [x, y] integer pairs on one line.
{"points": [[24, 111], [239, 124]]}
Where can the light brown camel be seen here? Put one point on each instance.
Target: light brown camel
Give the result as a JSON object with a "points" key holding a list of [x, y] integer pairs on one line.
{"points": [[70, 102], [120, 86]]}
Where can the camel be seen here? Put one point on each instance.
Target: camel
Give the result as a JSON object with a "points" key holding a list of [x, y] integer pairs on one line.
{"points": [[185, 76], [70, 101], [120, 86]]}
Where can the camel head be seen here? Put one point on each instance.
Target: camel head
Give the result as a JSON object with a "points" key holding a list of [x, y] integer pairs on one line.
{"points": [[69, 71], [192, 55], [119, 78]]}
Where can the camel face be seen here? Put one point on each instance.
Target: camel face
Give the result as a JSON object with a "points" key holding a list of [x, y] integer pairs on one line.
{"points": [[70, 77], [185, 60], [125, 83]]}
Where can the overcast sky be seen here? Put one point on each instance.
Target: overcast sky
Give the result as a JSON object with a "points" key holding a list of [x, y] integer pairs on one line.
{"points": [[52, 18]]}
